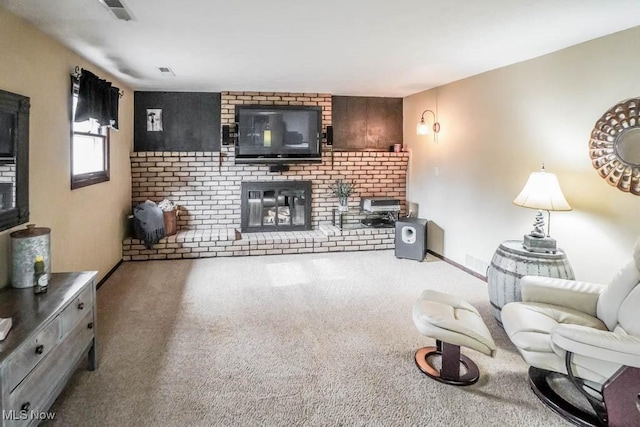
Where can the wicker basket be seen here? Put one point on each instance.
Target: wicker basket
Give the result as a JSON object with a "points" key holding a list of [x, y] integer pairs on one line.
{"points": [[170, 222]]}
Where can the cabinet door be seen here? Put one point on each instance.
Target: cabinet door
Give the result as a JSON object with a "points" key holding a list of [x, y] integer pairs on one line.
{"points": [[76, 310], [31, 352], [366, 123], [39, 389]]}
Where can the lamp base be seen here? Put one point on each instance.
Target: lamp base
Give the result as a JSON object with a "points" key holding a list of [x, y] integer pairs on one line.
{"points": [[539, 244]]}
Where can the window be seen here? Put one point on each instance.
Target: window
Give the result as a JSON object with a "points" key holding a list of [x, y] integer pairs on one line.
{"points": [[89, 149]]}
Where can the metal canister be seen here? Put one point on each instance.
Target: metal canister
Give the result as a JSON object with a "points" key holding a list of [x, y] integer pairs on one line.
{"points": [[26, 245]]}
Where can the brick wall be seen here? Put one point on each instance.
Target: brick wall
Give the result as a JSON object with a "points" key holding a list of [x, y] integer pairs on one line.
{"points": [[226, 242], [8, 173], [231, 99], [206, 185]]}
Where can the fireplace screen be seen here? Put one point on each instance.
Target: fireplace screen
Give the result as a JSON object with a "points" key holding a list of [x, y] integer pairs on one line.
{"points": [[280, 205]]}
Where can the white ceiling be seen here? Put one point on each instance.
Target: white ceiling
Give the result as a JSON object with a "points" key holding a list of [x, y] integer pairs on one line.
{"points": [[345, 47]]}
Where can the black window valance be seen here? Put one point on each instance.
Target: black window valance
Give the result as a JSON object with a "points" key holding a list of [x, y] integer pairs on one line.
{"points": [[97, 99]]}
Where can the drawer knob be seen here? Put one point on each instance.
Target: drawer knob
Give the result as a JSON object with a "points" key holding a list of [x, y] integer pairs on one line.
{"points": [[25, 406], [80, 306], [90, 325], [39, 349]]}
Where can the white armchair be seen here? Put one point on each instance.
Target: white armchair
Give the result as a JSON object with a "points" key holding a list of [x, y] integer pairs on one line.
{"points": [[588, 332]]}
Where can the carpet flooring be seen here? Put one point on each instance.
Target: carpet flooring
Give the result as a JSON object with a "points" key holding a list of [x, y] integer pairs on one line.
{"points": [[291, 340]]}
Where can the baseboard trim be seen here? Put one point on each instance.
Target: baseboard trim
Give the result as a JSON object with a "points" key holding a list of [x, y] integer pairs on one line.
{"points": [[106, 276], [459, 266], [437, 255]]}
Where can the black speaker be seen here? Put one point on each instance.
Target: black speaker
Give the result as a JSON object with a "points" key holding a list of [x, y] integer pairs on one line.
{"points": [[329, 135], [226, 135]]}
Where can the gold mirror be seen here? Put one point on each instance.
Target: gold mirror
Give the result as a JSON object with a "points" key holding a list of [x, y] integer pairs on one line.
{"points": [[614, 146]]}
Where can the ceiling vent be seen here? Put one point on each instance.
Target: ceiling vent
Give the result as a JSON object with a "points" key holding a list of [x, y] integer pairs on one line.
{"points": [[118, 9], [166, 71]]}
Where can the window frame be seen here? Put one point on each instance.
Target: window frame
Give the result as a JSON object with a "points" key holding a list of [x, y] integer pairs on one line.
{"points": [[89, 178]]}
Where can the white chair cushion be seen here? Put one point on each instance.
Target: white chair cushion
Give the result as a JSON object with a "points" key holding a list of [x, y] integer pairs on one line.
{"points": [[611, 299], [581, 296], [529, 324], [602, 345], [629, 313], [452, 320]]}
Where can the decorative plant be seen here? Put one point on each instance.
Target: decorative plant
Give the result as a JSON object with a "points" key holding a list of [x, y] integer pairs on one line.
{"points": [[342, 190]]}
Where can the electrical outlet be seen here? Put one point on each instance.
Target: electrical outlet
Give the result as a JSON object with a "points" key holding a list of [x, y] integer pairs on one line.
{"points": [[436, 171]]}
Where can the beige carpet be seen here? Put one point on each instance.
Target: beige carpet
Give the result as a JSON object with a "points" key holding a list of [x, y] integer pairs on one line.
{"points": [[318, 339]]}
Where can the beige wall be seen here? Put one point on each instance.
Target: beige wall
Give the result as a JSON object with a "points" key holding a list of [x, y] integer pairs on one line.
{"points": [[500, 126], [87, 224]]}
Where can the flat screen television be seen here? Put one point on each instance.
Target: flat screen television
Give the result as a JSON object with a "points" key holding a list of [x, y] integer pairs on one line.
{"points": [[278, 134]]}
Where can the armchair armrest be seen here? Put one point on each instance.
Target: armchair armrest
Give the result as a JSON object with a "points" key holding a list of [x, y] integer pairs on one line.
{"points": [[581, 296], [604, 345]]}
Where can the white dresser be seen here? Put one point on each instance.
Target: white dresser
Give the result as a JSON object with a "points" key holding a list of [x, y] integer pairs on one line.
{"points": [[51, 334]]}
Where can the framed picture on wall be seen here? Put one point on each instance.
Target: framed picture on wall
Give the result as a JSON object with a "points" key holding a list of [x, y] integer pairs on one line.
{"points": [[154, 119]]}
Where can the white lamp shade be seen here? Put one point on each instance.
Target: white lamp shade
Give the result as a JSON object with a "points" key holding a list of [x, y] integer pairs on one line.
{"points": [[422, 128], [542, 191]]}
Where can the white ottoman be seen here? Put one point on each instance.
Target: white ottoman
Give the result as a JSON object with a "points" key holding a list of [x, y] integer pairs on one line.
{"points": [[452, 322]]}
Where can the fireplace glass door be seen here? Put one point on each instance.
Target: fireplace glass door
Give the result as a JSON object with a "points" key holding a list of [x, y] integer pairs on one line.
{"points": [[276, 206]]}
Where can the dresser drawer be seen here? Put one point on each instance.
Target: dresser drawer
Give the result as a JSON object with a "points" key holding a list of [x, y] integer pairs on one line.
{"points": [[32, 351], [35, 392], [77, 309]]}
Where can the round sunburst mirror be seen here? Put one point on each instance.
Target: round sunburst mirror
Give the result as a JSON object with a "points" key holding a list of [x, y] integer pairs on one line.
{"points": [[614, 146]]}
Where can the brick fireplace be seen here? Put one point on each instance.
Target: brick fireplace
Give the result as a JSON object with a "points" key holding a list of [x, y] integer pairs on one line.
{"points": [[275, 206], [207, 187]]}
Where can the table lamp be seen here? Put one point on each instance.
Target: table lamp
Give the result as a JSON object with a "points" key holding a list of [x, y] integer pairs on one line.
{"points": [[542, 191]]}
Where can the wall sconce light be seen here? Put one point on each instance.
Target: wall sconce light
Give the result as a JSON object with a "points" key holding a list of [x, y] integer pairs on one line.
{"points": [[423, 128]]}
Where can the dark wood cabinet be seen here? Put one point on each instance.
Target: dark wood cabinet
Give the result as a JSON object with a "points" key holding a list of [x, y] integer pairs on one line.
{"points": [[366, 123], [190, 121]]}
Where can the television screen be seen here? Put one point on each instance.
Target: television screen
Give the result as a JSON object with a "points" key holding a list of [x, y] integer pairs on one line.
{"points": [[287, 134]]}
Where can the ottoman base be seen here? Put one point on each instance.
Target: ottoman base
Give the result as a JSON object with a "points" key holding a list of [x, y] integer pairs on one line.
{"points": [[452, 360]]}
